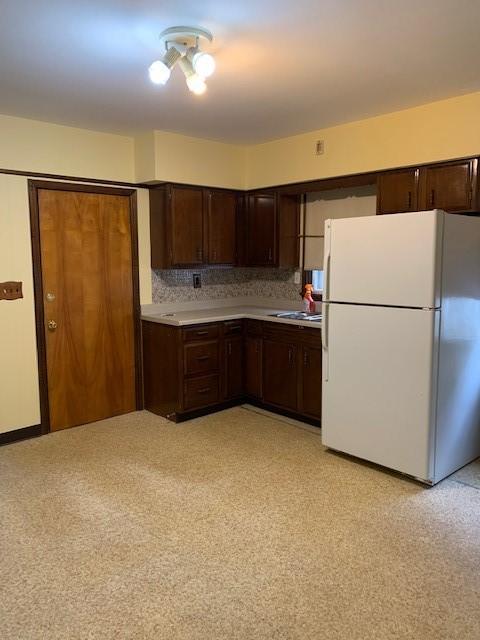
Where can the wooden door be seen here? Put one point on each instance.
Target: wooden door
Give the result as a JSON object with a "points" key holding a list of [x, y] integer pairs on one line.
{"points": [[261, 231], [221, 219], [233, 367], [397, 191], [311, 381], [449, 186], [186, 226], [88, 305], [280, 374], [253, 366]]}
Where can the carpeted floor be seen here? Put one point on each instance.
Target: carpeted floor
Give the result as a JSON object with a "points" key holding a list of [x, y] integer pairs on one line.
{"points": [[233, 526]]}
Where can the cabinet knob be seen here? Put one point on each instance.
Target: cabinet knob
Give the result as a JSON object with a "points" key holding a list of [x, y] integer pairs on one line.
{"points": [[52, 325]]}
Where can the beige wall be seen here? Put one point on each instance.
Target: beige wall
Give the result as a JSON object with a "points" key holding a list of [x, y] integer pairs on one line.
{"points": [[441, 130], [19, 394], [437, 131], [19, 400], [37, 146], [28, 145], [172, 157]]}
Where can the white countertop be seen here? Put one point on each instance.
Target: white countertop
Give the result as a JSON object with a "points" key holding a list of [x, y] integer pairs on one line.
{"points": [[169, 315]]}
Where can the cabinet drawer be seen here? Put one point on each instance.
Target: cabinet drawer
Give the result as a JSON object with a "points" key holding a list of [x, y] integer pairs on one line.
{"points": [[201, 332], [311, 337], [281, 332], [254, 327], [292, 334], [200, 392], [200, 357], [233, 328]]}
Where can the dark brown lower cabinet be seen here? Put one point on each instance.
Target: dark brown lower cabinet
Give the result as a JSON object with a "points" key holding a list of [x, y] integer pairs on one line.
{"points": [[253, 366], [311, 381], [203, 368], [280, 374], [233, 367]]}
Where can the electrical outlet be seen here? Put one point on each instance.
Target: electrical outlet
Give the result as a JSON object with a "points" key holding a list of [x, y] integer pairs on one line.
{"points": [[320, 147], [197, 281], [296, 277], [10, 290]]}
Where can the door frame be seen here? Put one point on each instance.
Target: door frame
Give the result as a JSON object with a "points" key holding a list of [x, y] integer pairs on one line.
{"points": [[33, 187]]}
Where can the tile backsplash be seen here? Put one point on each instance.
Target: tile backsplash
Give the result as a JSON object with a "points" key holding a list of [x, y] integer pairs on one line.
{"points": [[177, 284]]}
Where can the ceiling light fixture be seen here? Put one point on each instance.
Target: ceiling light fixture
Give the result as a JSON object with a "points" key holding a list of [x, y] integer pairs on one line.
{"points": [[182, 46]]}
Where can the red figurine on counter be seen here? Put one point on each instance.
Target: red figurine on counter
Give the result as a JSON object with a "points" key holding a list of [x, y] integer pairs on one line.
{"points": [[308, 301]]}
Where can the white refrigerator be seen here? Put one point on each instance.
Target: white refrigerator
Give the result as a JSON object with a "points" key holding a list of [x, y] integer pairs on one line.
{"points": [[401, 341]]}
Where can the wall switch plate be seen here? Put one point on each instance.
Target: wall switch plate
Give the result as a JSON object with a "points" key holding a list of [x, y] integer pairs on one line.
{"points": [[320, 147], [10, 290], [296, 277], [197, 281]]}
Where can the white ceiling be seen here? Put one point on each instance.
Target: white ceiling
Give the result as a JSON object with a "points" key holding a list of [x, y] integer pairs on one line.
{"points": [[283, 67]]}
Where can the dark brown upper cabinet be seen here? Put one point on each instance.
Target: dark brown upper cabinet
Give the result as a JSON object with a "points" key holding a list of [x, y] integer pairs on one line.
{"points": [[451, 186], [261, 230], [186, 226], [397, 191], [221, 226], [191, 226], [288, 231], [272, 230], [176, 226]]}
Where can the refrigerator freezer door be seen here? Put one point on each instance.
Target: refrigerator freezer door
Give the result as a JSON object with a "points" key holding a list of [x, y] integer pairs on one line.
{"points": [[379, 384], [385, 260]]}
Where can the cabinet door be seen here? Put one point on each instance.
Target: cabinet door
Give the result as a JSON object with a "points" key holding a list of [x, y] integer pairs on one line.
{"points": [[280, 374], [397, 191], [449, 186], [288, 224], [186, 225], [261, 230], [311, 381], [233, 367], [221, 219], [253, 366]]}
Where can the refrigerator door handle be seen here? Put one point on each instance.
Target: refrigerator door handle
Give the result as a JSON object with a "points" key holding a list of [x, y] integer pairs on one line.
{"points": [[326, 288], [324, 330]]}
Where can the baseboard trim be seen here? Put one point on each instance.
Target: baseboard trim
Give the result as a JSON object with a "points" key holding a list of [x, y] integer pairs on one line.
{"points": [[204, 411], [294, 415], [20, 434]]}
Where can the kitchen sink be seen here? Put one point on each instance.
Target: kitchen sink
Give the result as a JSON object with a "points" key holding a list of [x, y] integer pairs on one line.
{"points": [[298, 315]]}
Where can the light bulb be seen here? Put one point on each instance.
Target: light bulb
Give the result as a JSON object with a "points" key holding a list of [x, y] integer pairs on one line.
{"points": [[159, 72], [204, 64], [196, 84]]}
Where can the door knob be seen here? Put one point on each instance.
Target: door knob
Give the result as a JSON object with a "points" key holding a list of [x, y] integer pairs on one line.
{"points": [[52, 325]]}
